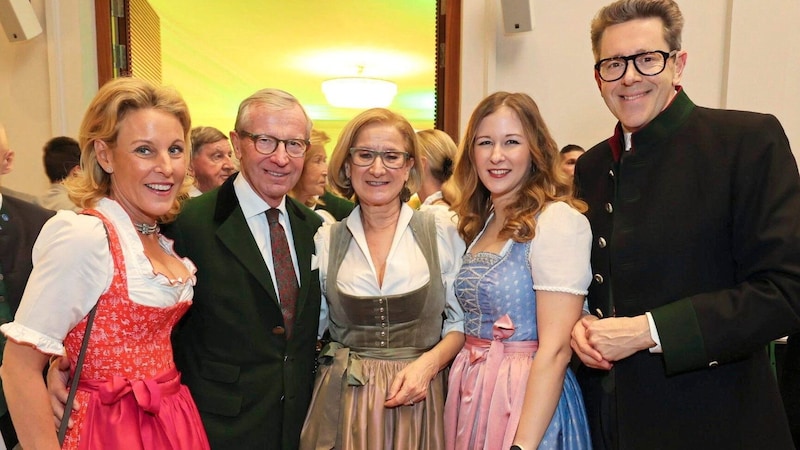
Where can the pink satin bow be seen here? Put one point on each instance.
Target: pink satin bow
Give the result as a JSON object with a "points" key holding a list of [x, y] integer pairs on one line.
{"points": [[502, 329], [146, 392]]}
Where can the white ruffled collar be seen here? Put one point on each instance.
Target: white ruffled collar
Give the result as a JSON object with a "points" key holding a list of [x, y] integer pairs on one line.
{"points": [[132, 246]]}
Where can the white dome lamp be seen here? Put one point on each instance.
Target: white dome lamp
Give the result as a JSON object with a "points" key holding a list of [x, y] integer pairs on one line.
{"points": [[359, 92]]}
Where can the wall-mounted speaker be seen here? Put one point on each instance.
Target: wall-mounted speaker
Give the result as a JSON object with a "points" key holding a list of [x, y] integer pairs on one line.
{"points": [[19, 20], [516, 15]]}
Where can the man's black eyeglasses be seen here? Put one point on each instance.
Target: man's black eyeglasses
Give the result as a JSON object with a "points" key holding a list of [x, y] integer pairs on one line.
{"points": [[647, 63]]}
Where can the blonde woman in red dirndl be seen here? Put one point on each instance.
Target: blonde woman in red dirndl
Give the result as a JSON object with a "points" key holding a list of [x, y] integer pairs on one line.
{"points": [[111, 257]]}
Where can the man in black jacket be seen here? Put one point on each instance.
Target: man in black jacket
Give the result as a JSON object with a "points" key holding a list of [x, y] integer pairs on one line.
{"points": [[696, 252], [20, 223]]}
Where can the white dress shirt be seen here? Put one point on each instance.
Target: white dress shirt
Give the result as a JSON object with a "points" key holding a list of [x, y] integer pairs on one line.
{"points": [[253, 208]]}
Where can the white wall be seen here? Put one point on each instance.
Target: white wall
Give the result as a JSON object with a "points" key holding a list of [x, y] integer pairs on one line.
{"points": [[765, 66], [45, 85], [739, 56]]}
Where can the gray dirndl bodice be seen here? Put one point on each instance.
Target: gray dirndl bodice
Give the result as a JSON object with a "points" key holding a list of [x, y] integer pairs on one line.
{"points": [[397, 323]]}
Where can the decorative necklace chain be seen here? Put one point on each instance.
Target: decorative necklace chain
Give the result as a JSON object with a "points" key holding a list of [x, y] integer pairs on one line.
{"points": [[146, 229]]}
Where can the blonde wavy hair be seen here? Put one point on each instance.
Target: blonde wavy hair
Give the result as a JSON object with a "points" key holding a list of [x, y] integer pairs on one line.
{"points": [[542, 184], [101, 122]]}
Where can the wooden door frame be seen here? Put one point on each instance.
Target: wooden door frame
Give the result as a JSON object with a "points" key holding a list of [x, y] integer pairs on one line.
{"points": [[105, 27], [105, 59], [448, 67]]}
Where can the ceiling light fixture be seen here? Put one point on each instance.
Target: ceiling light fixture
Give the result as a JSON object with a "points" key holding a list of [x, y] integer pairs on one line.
{"points": [[359, 92]]}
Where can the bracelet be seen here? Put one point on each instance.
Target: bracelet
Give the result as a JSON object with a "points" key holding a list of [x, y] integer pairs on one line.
{"points": [[515, 447]]}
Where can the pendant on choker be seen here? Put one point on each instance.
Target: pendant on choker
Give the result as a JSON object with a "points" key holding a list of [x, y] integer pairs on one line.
{"points": [[146, 229]]}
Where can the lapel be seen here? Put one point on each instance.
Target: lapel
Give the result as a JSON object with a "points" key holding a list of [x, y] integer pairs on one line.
{"points": [[303, 236], [234, 233]]}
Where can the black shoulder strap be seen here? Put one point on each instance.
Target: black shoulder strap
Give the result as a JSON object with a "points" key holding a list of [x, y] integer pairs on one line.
{"points": [[62, 429]]}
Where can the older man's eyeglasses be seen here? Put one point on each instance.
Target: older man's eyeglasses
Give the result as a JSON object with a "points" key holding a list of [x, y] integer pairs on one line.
{"points": [[266, 144], [365, 157], [647, 63]]}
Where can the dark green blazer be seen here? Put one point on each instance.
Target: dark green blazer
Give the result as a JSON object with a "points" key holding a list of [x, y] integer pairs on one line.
{"points": [[339, 207], [251, 385], [700, 225]]}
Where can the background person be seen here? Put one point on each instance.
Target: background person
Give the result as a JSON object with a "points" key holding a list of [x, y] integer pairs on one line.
{"points": [[569, 156], [6, 165], [386, 273], [212, 159], [62, 159], [20, 223], [311, 189], [133, 138], [696, 252], [521, 285], [437, 153]]}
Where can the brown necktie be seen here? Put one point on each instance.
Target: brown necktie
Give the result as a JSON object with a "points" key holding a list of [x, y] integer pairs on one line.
{"points": [[284, 270]]}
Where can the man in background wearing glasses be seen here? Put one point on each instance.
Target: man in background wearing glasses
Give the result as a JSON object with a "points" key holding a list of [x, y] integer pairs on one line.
{"points": [[246, 356], [696, 252]]}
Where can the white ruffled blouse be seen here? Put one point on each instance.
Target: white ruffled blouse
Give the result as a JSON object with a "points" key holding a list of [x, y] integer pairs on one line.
{"points": [[73, 266]]}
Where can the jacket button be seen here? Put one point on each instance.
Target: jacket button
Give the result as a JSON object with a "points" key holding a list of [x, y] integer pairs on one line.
{"points": [[277, 331], [601, 242], [609, 208], [598, 278]]}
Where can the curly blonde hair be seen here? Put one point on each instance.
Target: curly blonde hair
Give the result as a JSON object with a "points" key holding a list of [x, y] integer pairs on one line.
{"points": [[101, 122], [543, 184]]}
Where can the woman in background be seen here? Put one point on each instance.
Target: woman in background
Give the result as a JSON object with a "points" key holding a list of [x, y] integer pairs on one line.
{"points": [[437, 155], [521, 285], [386, 273], [112, 256], [311, 188]]}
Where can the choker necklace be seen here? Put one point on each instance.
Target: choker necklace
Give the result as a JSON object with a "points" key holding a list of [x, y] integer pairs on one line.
{"points": [[146, 229]]}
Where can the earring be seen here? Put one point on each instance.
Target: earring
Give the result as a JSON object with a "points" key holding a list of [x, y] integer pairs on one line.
{"points": [[405, 193]]}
